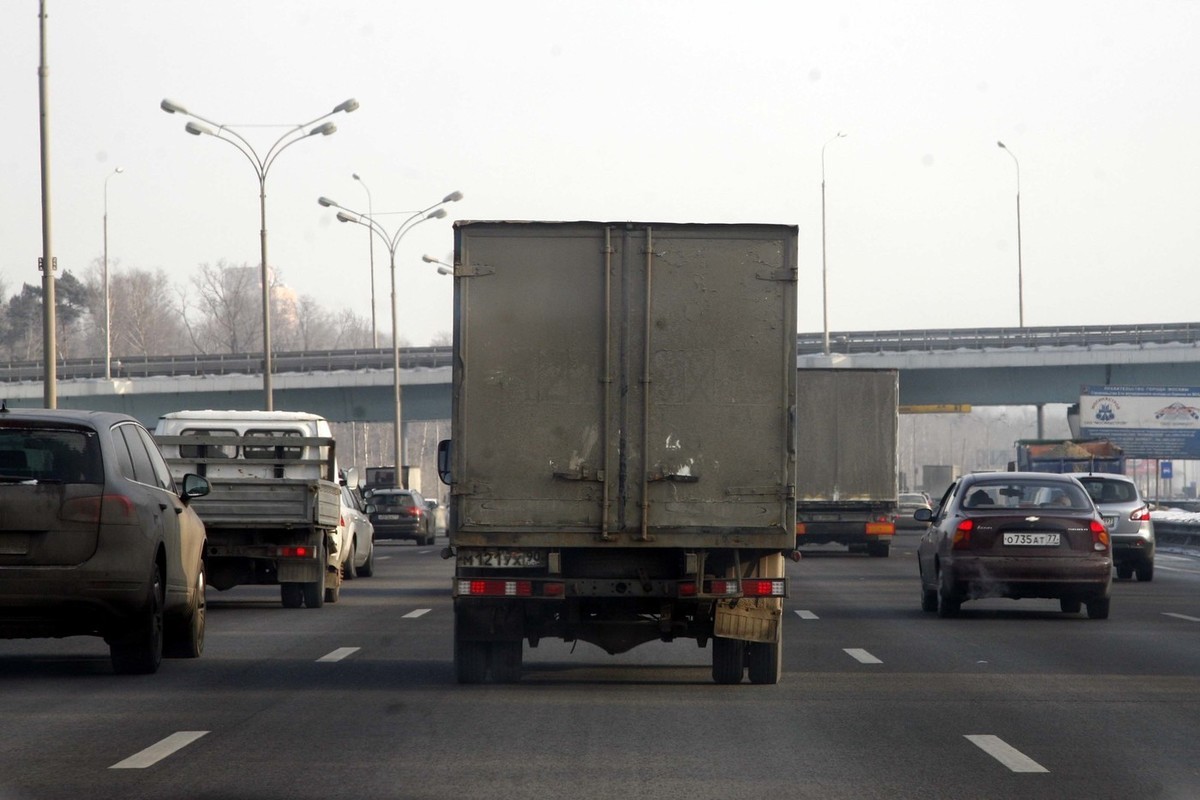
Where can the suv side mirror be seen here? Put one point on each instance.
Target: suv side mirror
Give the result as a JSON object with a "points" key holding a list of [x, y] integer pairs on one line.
{"points": [[443, 462]]}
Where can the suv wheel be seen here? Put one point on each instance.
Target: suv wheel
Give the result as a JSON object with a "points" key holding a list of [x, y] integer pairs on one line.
{"points": [[139, 650]]}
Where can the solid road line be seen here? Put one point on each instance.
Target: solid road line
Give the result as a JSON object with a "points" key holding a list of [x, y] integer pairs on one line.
{"points": [[338, 655], [1005, 753], [157, 752], [420, 612], [862, 656], [806, 615]]}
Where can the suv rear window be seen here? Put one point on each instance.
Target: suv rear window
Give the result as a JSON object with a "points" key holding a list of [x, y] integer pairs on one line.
{"points": [[58, 455], [1108, 491]]}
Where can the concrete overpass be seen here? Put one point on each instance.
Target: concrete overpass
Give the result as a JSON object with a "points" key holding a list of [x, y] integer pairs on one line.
{"points": [[987, 366]]}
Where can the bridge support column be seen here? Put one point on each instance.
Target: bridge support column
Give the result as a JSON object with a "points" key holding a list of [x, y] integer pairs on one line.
{"points": [[1041, 420]]}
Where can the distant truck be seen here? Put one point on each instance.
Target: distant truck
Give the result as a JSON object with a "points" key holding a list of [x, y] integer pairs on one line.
{"points": [[385, 478], [847, 475], [623, 462], [273, 510], [1069, 455]]}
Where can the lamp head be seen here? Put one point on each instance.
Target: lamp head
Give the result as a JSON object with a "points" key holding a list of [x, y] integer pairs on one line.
{"points": [[344, 217], [355, 176], [445, 270], [346, 105], [438, 214], [325, 201], [119, 169], [195, 128], [453, 197], [429, 259], [1001, 145], [172, 107], [324, 130]]}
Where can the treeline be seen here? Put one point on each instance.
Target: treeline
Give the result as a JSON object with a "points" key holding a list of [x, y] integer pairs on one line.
{"points": [[219, 311]]}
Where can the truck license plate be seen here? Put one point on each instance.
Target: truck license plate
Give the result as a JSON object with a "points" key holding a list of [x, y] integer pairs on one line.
{"points": [[1032, 539], [501, 558]]}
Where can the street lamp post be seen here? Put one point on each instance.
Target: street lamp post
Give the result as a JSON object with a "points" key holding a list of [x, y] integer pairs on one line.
{"points": [[824, 269], [1020, 273], [371, 243], [434, 211], [107, 305], [262, 165]]}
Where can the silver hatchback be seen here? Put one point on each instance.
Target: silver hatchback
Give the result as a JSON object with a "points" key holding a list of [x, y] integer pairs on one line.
{"points": [[1127, 517]]}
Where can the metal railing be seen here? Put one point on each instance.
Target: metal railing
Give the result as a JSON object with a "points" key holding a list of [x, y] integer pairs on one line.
{"points": [[844, 342]]}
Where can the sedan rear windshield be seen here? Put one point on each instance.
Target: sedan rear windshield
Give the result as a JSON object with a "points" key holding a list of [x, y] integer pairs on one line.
{"points": [[1026, 494], [49, 455]]}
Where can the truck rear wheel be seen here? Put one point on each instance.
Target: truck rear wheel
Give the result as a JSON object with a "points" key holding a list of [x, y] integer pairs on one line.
{"points": [[764, 661], [879, 549], [506, 661], [728, 660], [470, 656], [292, 594], [314, 592]]}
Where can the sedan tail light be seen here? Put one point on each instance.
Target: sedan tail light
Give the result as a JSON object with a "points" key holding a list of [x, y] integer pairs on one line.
{"points": [[962, 535], [1099, 535]]}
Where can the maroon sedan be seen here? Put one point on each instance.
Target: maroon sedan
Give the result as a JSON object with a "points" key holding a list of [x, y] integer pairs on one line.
{"points": [[1015, 535]]}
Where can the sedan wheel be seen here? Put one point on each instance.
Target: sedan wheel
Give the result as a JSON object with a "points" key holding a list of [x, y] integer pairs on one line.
{"points": [[1098, 608], [1070, 605], [948, 603]]}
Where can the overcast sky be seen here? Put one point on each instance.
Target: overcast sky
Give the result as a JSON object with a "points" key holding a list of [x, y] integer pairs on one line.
{"points": [[668, 111]]}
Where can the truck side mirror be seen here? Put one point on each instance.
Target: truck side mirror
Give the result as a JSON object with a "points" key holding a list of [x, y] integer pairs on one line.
{"points": [[443, 462]]}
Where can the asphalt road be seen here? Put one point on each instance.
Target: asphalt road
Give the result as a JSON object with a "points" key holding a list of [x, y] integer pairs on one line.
{"points": [[878, 700]]}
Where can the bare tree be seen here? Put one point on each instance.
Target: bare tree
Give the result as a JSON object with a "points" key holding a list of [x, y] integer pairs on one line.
{"points": [[228, 304]]}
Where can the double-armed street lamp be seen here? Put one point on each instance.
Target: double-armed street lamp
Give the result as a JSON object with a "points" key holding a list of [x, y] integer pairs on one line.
{"points": [[262, 165], [1020, 274], [107, 305], [371, 244], [824, 270], [392, 242], [443, 267]]}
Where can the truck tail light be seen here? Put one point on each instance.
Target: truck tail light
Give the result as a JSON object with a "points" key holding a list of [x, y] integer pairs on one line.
{"points": [[295, 551], [750, 587], [885, 528], [801, 529], [1099, 535], [962, 535], [479, 587]]}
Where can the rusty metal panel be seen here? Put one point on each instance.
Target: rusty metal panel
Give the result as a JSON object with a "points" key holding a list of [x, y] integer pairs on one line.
{"points": [[624, 382]]}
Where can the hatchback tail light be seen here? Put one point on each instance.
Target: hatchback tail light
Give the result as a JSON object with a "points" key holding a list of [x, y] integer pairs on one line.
{"points": [[1099, 535], [1140, 514]]}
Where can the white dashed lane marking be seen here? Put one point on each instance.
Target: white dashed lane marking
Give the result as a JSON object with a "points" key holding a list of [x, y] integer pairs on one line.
{"points": [[1005, 753], [157, 752], [337, 655], [806, 615], [420, 612], [1181, 616], [862, 656]]}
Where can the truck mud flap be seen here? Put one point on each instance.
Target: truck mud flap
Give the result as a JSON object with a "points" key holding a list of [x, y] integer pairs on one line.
{"points": [[298, 571], [748, 620]]}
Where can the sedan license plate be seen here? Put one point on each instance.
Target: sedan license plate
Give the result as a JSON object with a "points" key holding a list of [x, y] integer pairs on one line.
{"points": [[388, 517], [1032, 539], [501, 558]]}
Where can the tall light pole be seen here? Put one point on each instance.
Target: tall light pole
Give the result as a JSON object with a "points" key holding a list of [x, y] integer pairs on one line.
{"points": [[47, 262], [434, 211], [1020, 273], [107, 305], [824, 269], [262, 165], [371, 243]]}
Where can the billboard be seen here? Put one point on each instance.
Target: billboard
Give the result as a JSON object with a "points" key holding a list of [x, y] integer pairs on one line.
{"points": [[1145, 421]]}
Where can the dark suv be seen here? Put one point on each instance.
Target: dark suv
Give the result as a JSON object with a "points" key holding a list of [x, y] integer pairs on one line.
{"points": [[95, 540], [400, 514], [1127, 517]]}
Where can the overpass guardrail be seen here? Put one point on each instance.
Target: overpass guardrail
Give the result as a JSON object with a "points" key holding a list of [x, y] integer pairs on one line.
{"points": [[842, 342]]}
